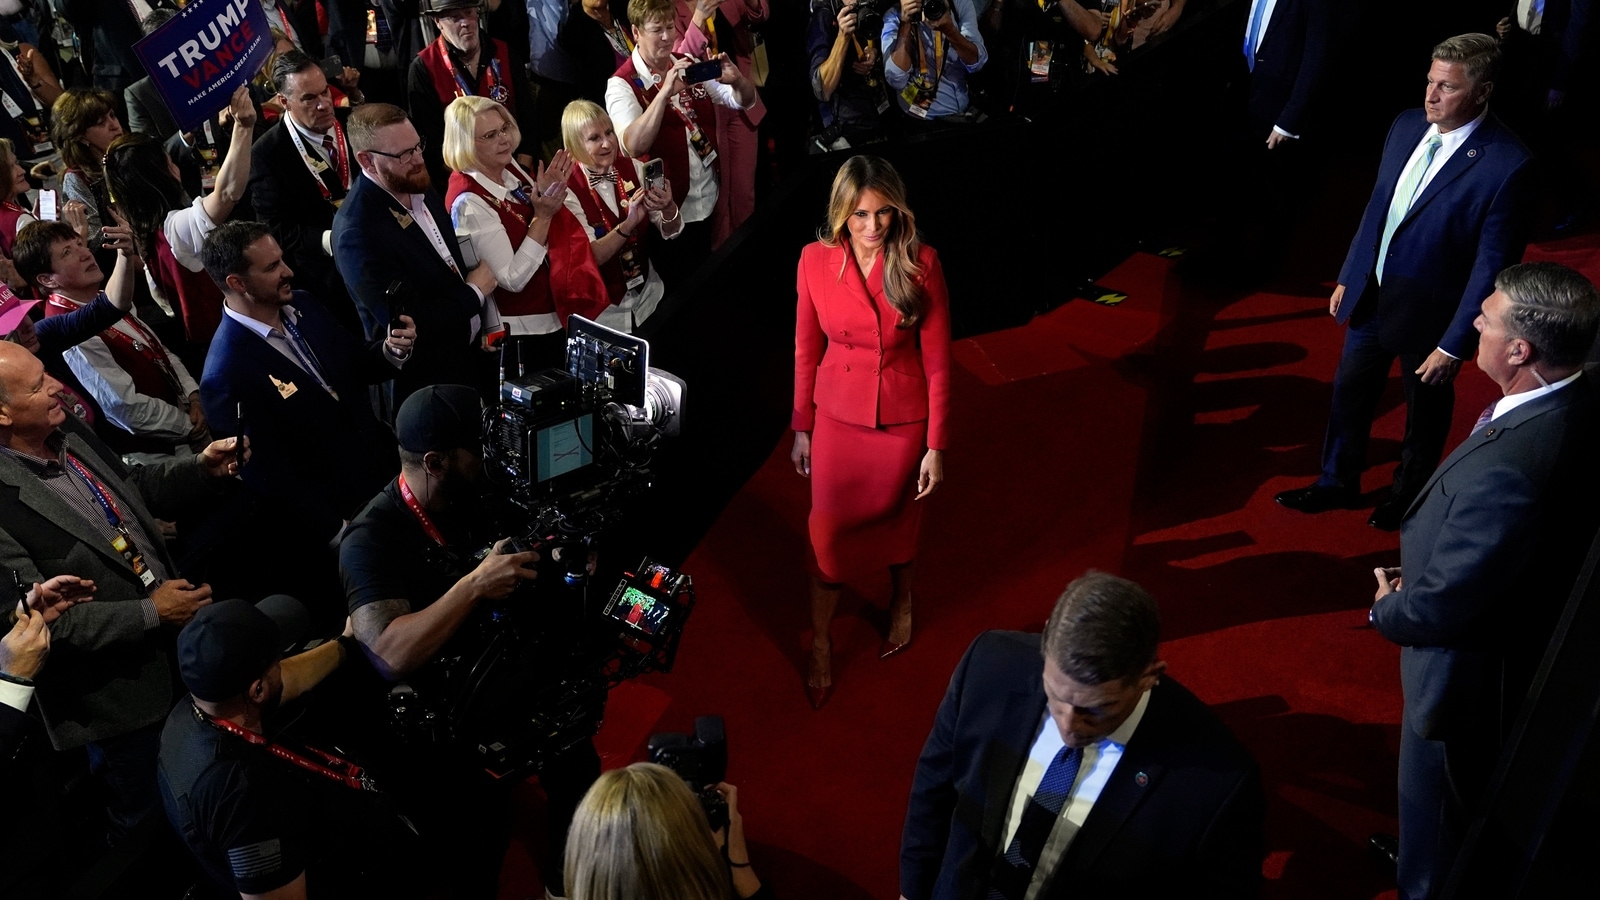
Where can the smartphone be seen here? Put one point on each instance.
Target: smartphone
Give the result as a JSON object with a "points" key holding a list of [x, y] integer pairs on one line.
{"points": [[654, 173], [47, 206], [397, 306], [709, 70], [238, 430], [333, 68]]}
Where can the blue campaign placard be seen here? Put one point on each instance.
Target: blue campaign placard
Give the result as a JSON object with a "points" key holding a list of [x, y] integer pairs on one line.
{"points": [[202, 54]]}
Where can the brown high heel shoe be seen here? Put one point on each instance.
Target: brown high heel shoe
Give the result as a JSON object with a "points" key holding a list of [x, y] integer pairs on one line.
{"points": [[889, 647], [819, 694]]}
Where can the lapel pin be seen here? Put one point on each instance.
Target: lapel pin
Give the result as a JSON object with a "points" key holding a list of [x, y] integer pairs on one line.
{"points": [[1141, 779], [1471, 153]]}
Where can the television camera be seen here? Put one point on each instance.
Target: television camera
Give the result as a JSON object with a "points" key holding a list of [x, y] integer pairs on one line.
{"points": [[567, 449]]}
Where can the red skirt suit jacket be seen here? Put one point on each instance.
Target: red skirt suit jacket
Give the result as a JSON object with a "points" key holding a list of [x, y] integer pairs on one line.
{"points": [[852, 363]]}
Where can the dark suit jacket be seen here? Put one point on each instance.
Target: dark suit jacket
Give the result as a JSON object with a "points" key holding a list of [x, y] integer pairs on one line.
{"points": [[1553, 53], [1469, 223], [1292, 60], [1489, 551], [107, 674], [313, 457], [372, 251], [1182, 814], [286, 197], [108, 30], [147, 113], [14, 728]]}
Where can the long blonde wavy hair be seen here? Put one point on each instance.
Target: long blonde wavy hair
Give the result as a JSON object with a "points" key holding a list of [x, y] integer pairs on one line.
{"points": [[901, 270], [640, 834]]}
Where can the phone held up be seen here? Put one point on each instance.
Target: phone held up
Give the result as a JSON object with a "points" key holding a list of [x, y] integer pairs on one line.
{"points": [[709, 70], [654, 173]]}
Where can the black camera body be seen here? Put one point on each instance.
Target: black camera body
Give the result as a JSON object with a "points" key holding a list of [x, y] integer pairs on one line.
{"points": [[934, 10], [869, 16], [701, 761]]}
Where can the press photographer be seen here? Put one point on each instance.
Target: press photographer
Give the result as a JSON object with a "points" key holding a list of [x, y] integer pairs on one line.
{"points": [[847, 72], [413, 584]]}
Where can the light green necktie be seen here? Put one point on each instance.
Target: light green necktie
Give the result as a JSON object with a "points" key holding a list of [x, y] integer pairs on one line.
{"points": [[1405, 193]]}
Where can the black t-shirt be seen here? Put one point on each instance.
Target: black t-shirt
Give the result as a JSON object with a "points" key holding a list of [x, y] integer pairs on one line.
{"points": [[385, 554], [244, 814]]}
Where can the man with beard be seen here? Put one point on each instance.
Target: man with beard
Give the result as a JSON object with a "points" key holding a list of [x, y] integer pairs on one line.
{"points": [[396, 247], [412, 586], [260, 812], [463, 61], [299, 379]]}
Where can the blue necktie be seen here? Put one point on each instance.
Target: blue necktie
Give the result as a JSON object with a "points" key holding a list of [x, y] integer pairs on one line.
{"points": [[1253, 34], [1404, 194], [1014, 871]]}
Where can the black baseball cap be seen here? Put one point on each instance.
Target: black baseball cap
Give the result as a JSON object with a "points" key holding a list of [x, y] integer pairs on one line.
{"points": [[228, 645], [440, 417]]}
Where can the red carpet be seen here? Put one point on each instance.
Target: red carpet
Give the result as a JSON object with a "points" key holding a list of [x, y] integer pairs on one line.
{"points": [[1145, 439]]}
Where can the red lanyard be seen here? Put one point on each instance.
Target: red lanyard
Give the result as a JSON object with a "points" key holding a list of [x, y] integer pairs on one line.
{"points": [[428, 527], [341, 162], [649, 93], [607, 217], [332, 767], [151, 348], [108, 503]]}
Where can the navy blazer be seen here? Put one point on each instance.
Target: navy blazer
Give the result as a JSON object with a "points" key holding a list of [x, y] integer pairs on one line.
{"points": [[320, 457], [1469, 223], [1182, 815], [373, 249], [1291, 61], [1489, 551]]}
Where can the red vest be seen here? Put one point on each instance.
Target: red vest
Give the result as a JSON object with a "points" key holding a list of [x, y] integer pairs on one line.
{"points": [[672, 140], [9, 214], [578, 183], [445, 84], [196, 296], [145, 361], [567, 283]]}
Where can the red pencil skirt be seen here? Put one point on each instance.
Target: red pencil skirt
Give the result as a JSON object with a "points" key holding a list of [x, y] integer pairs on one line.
{"points": [[864, 516]]}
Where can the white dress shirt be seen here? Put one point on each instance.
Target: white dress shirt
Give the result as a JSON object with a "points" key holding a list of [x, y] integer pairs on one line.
{"points": [[1099, 761], [112, 387], [1449, 143], [1530, 15], [417, 205], [622, 104], [513, 267], [15, 695], [637, 304], [1512, 401]]}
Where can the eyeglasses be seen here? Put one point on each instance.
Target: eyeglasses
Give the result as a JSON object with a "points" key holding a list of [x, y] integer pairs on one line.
{"points": [[496, 133], [406, 155]]}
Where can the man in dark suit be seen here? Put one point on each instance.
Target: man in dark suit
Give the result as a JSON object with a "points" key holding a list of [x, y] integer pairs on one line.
{"points": [[300, 172], [393, 231], [69, 507], [1066, 765], [317, 452], [1489, 552], [1448, 212], [1286, 46]]}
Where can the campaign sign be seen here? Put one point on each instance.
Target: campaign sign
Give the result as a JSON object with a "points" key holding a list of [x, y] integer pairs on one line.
{"points": [[202, 54]]}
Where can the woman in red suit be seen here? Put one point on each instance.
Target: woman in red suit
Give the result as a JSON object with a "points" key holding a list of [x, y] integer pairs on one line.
{"points": [[871, 396]]}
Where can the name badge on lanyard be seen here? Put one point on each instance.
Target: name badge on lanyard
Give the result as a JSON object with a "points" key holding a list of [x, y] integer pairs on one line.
{"points": [[122, 541]]}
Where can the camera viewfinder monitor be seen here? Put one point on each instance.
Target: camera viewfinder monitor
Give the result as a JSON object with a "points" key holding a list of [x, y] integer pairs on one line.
{"points": [[563, 447], [606, 358]]}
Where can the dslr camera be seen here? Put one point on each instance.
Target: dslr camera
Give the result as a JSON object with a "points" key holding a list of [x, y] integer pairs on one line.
{"points": [[934, 10], [869, 15], [701, 762]]}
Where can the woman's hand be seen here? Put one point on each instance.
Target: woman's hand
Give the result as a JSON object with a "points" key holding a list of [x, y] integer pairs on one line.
{"points": [[242, 109], [557, 172], [76, 214], [801, 454], [118, 237], [638, 210], [548, 201], [735, 850], [931, 475]]}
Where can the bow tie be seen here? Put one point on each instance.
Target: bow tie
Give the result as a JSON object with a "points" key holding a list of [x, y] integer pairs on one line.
{"points": [[596, 179]]}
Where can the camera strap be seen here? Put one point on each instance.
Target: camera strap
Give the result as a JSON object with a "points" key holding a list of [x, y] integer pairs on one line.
{"points": [[334, 768], [428, 528], [920, 91]]}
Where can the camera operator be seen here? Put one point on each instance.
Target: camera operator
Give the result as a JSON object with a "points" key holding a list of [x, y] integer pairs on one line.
{"points": [[641, 832], [264, 815], [847, 72], [412, 586]]}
